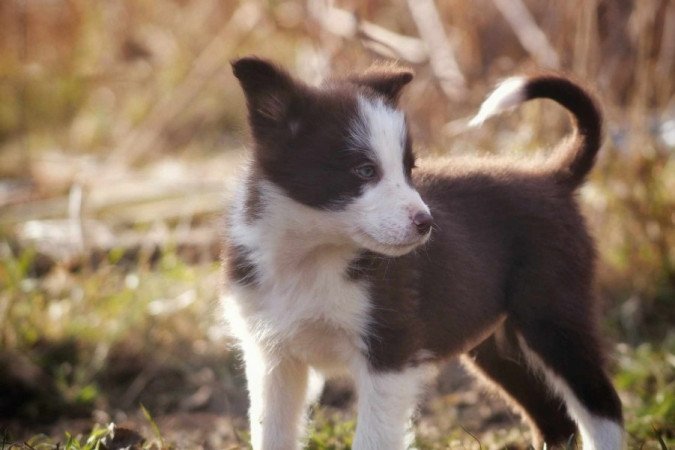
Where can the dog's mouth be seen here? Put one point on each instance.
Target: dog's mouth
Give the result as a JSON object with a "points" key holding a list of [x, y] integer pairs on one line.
{"points": [[389, 248]]}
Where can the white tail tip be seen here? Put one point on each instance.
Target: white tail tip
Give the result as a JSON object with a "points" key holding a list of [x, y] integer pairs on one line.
{"points": [[509, 93]]}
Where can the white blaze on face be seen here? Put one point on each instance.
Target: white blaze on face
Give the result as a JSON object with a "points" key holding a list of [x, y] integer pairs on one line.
{"points": [[381, 218]]}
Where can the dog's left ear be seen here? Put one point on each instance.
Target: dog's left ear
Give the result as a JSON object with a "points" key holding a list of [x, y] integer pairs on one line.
{"points": [[269, 91], [387, 81]]}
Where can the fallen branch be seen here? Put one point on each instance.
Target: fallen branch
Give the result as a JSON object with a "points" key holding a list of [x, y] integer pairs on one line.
{"points": [[129, 203], [52, 244]]}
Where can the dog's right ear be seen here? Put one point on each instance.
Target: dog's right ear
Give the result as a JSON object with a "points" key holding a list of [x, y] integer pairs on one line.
{"points": [[386, 80], [269, 89]]}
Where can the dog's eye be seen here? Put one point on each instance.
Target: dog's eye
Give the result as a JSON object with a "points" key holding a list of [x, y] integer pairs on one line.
{"points": [[366, 171]]}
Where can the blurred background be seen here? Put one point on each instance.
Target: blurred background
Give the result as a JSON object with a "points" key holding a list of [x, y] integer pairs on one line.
{"points": [[121, 127]]}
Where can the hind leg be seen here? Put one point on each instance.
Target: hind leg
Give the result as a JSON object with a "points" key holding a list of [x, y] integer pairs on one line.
{"points": [[575, 374], [499, 363], [557, 332]]}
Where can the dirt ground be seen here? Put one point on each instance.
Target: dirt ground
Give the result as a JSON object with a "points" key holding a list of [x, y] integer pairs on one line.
{"points": [[455, 405]]}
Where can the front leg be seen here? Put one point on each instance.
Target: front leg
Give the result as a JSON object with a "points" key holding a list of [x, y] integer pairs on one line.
{"points": [[277, 390], [387, 401]]}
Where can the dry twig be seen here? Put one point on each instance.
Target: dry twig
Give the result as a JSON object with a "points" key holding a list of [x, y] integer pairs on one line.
{"points": [[528, 33], [143, 139], [378, 39], [441, 55]]}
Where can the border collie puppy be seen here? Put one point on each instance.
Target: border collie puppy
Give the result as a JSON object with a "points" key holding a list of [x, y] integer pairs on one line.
{"points": [[335, 264]]}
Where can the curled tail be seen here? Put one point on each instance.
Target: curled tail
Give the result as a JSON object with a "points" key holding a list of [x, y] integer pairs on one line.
{"points": [[576, 157]]}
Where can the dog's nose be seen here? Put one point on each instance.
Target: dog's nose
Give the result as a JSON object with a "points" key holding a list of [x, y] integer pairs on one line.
{"points": [[423, 221]]}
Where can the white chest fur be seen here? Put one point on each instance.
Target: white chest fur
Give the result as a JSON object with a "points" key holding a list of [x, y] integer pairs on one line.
{"points": [[302, 303]]}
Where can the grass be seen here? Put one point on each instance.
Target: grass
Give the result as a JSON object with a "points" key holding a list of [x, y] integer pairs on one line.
{"points": [[84, 332], [646, 380], [100, 437], [142, 311]]}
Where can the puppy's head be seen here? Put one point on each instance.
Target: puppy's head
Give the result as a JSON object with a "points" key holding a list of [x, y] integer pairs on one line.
{"points": [[342, 149]]}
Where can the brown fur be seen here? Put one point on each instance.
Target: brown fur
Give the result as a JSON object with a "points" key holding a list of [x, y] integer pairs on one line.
{"points": [[508, 242], [501, 366]]}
